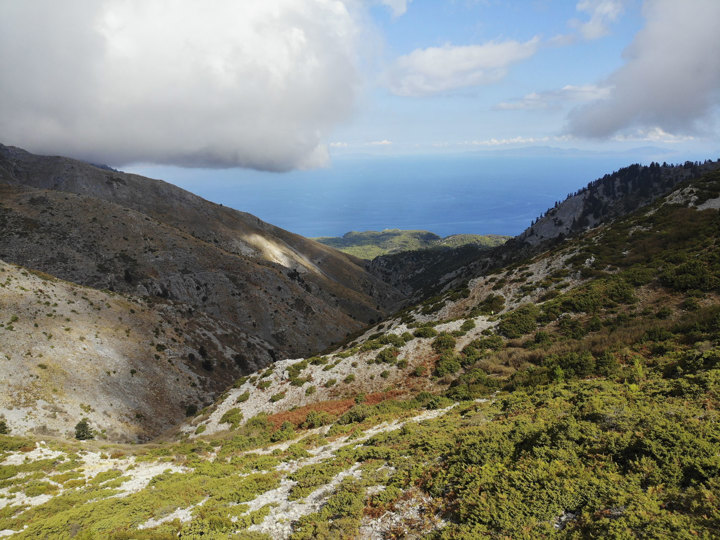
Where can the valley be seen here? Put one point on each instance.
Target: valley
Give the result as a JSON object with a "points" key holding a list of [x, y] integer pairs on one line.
{"points": [[563, 384]]}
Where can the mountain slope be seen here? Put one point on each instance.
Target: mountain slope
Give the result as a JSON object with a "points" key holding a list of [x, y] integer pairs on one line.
{"points": [[107, 229], [573, 394], [133, 367], [420, 274]]}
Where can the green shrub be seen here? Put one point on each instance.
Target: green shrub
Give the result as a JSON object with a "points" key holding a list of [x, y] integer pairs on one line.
{"points": [[277, 397], [468, 325], [315, 419], [571, 328], [243, 397], [425, 332], [240, 381], [472, 385], [233, 417], [519, 322], [447, 364], [387, 355], [606, 364], [355, 415], [392, 339], [573, 364], [330, 382], [589, 298], [493, 343], [350, 378], [443, 342], [492, 304], [693, 274], [284, 433]]}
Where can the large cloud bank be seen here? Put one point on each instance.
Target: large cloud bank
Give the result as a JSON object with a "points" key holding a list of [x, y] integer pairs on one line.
{"points": [[671, 78], [249, 83]]}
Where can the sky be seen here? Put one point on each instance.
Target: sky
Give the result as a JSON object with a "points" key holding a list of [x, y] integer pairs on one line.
{"points": [[186, 87]]}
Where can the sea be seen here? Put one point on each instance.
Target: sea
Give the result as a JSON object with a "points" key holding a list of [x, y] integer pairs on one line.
{"points": [[444, 194]]}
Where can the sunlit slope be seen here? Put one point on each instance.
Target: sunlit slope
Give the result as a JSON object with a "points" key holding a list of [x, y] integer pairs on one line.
{"points": [[371, 244]]}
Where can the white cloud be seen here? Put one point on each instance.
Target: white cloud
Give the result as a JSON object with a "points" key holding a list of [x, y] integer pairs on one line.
{"points": [[398, 7], [671, 78], [655, 135], [556, 99], [338, 144], [225, 83], [440, 69], [384, 142], [602, 13]]}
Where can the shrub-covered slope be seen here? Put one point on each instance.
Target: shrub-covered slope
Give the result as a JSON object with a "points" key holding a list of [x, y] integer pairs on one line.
{"points": [[422, 273], [573, 395]]}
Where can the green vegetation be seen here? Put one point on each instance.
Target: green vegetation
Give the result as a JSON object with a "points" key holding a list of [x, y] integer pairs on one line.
{"points": [[590, 414], [425, 332], [490, 305], [519, 322], [233, 417], [371, 244], [83, 430]]}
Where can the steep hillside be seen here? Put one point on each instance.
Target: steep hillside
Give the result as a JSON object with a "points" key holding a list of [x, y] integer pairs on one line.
{"points": [[420, 274], [573, 394], [133, 367], [611, 196], [371, 244], [107, 229]]}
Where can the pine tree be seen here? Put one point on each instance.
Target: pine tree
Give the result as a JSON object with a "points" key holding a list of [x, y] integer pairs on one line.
{"points": [[83, 431]]}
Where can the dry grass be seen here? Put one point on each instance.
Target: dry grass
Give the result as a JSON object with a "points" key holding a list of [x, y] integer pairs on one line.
{"points": [[333, 407]]}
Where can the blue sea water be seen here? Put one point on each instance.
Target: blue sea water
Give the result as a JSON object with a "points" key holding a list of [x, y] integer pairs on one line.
{"points": [[483, 194]]}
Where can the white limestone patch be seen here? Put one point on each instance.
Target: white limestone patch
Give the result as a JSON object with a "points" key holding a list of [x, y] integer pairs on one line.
{"points": [[710, 204], [183, 514], [278, 523], [40, 452], [411, 517]]}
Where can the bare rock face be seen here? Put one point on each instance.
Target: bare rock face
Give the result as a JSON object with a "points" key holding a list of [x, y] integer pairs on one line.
{"points": [[123, 232]]}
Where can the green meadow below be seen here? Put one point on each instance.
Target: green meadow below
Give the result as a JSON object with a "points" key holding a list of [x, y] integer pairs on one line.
{"points": [[371, 244]]}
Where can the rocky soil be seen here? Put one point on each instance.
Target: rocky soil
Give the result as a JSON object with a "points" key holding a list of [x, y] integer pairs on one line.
{"points": [[132, 367]]}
